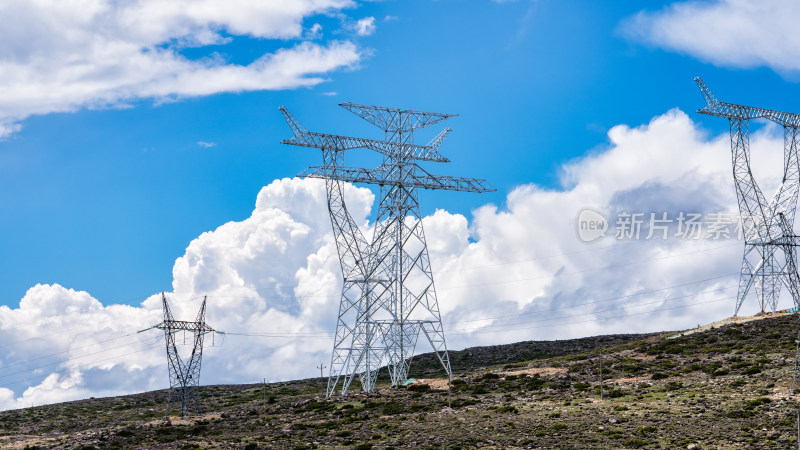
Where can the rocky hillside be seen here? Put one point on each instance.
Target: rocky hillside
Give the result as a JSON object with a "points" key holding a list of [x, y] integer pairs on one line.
{"points": [[721, 387]]}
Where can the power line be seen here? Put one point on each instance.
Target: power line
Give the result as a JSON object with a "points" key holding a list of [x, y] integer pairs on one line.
{"points": [[456, 332], [63, 330], [326, 335], [602, 301], [588, 313], [62, 362], [78, 367], [158, 338], [67, 351], [323, 335], [631, 263], [586, 321]]}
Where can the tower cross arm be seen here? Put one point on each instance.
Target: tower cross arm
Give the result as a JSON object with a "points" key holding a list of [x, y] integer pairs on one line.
{"points": [[302, 137], [714, 107], [340, 143], [185, 325], [325, 141], [383, 176], [395, 119]]}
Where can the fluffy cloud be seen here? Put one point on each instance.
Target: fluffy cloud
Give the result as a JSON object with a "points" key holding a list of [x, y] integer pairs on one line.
{"points": [[510, 273], [731, 33], [59, 340], [58, 55], [276, 272], [365, 26], [526, 262]]}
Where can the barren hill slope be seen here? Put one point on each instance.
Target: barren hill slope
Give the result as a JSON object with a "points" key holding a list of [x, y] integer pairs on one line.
{"points": [[721, 387]]}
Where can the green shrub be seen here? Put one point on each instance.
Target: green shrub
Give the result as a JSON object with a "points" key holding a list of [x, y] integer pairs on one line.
{"points": [[635, 443], [752, 404], [461, 402], [392, 408], [535, 383], [615, 393], [739, 414], [674, 350]]}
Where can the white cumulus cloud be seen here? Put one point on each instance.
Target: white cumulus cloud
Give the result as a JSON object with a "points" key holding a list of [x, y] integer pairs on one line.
{"points": [[365, 26], [730, 33], [509, 273], [274, 272], [63, 55]]}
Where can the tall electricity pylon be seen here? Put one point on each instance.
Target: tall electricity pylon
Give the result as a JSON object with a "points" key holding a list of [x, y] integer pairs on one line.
{"points": [[184, 375], [765, 263], [388, 293]]}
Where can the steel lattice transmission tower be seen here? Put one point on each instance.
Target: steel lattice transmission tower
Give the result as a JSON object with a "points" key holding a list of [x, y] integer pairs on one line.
{"points": [[184, 374], [765, 264], [788, 242], [388, 294]]}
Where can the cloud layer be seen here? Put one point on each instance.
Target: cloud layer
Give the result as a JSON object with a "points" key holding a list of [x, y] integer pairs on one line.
{"points": [[58, 56], [730, 33], [513, 272]]}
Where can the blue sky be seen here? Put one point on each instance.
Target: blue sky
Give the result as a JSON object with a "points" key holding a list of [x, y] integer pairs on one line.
{"points": [[140, 152], [105, 200]]}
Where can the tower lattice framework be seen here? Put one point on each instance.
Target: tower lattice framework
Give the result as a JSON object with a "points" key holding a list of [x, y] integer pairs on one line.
{"points": [[388, 293], [788, 242], [184, 374], [765, 264]]}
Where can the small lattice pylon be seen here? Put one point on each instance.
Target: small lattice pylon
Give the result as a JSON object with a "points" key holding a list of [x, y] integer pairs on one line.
{"points": [[184, 373]]}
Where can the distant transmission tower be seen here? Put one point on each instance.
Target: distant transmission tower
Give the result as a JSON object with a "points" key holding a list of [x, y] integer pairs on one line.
{"points": [[184, 374], [765, 263], [388, 294]]}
